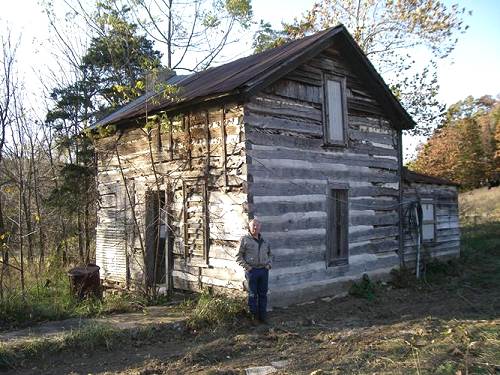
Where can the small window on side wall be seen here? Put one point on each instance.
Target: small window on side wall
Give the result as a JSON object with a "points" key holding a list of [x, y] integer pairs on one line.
{"points": [[337, 231], [428, 220], [335, 110]]}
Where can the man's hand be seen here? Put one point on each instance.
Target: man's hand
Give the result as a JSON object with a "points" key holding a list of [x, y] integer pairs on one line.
{"points": [[268, 267], [249, 269]]}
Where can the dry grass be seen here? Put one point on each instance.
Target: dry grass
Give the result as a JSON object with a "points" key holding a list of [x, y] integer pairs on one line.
{"points": [[480, 205]]}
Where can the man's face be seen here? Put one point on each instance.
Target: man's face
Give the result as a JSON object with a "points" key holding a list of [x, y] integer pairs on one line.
{"points": [[254, 227]]}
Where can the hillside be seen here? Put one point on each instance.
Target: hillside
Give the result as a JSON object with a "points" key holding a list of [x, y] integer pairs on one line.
{"points": [[480, 204]]}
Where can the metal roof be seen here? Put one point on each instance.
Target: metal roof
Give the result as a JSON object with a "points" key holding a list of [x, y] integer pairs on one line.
{"points": [[247, 75], [411, 176]]}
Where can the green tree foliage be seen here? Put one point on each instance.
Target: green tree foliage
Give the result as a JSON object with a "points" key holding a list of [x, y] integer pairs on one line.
{"points": [[389, 32], [117, 59], [111, 72], [464, 148], [266, 37]]}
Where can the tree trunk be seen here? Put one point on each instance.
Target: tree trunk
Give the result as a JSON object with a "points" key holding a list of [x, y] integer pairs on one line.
{"points": [[29, 227], [81, 250], [21, 233], [3, 240], [87, 232]]}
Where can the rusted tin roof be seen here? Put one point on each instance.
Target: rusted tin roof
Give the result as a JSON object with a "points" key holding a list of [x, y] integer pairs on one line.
{"points": [[411, 176], [250, 74]]}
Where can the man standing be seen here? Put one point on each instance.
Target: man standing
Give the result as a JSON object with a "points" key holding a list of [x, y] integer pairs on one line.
{"points": [[254, 256]]}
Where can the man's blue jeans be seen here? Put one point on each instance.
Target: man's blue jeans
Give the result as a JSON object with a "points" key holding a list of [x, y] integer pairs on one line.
{"points": [[257, 292]]}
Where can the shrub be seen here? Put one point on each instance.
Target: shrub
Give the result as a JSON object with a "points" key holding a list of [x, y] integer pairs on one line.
{"points": [[364, 289]]}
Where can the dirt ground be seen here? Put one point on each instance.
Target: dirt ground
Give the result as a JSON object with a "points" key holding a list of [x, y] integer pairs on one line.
{"points": [[450, 325], [348, 335]]}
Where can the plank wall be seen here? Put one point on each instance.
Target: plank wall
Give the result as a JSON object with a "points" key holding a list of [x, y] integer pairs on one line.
{"points": [[199, 159], [447, 231], [289, 169]]}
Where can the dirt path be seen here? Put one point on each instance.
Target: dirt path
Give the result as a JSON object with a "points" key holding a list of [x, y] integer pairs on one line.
{"points": [[154, 315], [347, 335], [448, 325]]}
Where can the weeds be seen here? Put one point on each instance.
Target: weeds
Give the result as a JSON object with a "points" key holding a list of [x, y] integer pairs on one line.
{"points": [[402, 278], [213, 310], [49, 298], [438, 271], [89, 338], [364, 289]]}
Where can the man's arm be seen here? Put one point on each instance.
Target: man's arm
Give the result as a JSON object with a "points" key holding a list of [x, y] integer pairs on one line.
{"points": [[269, 257], [240, 257]]}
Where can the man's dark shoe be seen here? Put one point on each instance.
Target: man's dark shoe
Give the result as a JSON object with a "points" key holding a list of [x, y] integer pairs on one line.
{"points": [[264, 321]]}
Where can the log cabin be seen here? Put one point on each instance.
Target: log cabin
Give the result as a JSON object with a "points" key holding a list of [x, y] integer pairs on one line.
{"points": [[306, 137]]}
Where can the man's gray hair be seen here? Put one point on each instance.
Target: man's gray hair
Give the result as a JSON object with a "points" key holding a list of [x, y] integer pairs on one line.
{"points": [[254, 220]]}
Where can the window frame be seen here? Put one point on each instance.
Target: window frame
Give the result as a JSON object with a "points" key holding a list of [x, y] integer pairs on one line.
{"points": [[432, 202], [327, 141], [189, 183], [332, 242]]}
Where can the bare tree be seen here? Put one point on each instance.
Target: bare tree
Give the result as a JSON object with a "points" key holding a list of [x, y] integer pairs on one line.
{"points": [[7, 92], [193, 33]]}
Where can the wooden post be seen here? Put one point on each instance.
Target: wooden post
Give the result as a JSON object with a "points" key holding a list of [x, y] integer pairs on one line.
{"points": [[170, 141], [207, 139], [184, 218], [206, 226], [187, 128], [400, 200], [128, 206], [169, 259], [224, 151]]}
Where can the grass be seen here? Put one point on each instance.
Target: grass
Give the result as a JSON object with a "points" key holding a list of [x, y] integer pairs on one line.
{"points": [[480, 205], [210, 310], [429, 346], [481, 254], [205, 312], [87, 339], [48, 297]]}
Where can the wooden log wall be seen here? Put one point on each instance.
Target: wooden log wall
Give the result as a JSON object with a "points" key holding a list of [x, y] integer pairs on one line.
{"points": [[289, 170], [447, 231], [199, 159]]}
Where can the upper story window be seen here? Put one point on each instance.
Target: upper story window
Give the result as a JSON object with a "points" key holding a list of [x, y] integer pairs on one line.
{"points": [[335, 110]]}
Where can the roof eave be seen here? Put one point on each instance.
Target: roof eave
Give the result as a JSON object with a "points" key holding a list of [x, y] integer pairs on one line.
{"points": [[174, 109]]}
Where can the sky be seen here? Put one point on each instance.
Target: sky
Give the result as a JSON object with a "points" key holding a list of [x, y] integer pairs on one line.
{"points": [[473, 68]]}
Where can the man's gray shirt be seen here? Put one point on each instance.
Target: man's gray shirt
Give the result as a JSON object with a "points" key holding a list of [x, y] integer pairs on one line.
{"points": [[254, 253]]}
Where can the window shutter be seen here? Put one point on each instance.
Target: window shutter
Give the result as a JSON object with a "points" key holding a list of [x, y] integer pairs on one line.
{"points": [[335, 112], [428, 222], [337, 236], [335, 117]]}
